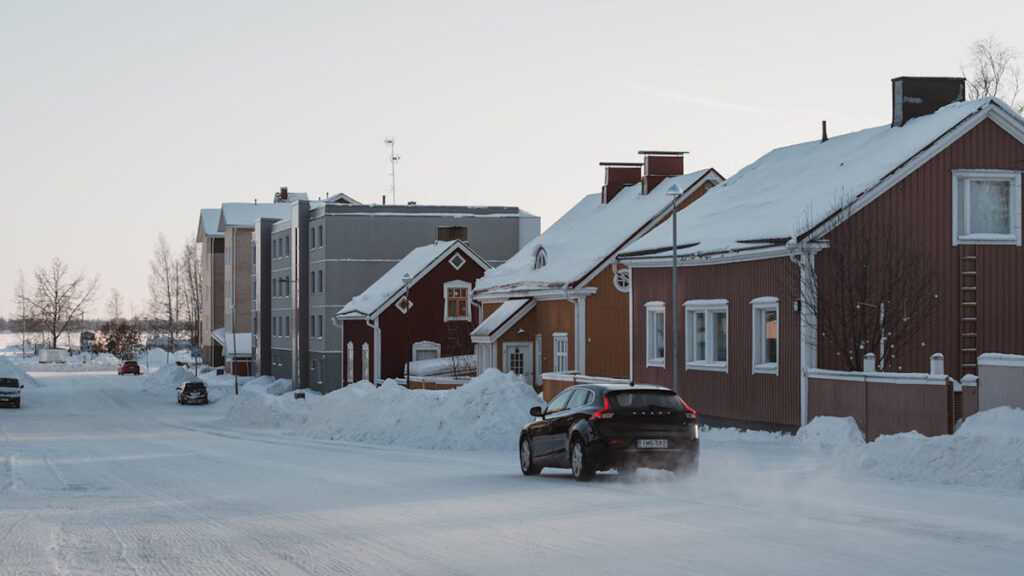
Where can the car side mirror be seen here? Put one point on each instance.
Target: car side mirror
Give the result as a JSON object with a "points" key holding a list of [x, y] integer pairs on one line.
{"points": [[21, 386], [537, 412]]}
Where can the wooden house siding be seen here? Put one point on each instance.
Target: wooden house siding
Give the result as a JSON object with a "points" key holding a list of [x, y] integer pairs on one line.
{"points": [[923, 204], [737, 394], [546, 318], [607, 328]]}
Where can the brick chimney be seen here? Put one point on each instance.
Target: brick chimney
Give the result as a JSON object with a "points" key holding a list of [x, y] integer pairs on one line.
{"points": [[618, 175], [281, 196], [913, 97], [660, 164]]}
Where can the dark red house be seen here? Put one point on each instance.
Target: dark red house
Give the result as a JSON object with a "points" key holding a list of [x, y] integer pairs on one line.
{"points": [[762, 258], [421, 309]]}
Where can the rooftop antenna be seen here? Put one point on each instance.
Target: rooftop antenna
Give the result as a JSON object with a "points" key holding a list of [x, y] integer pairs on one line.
{"points": [[390, 143]]}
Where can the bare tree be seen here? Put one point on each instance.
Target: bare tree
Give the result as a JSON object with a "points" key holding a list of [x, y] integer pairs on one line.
{"points": [[25, 320], [873, 290], [192, 282], [115, 305], [456, 348], [165, 289], [60, 299], [993, 69]]}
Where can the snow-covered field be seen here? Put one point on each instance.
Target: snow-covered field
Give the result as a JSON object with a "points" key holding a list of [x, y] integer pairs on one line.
{"points": [[101, 475]]}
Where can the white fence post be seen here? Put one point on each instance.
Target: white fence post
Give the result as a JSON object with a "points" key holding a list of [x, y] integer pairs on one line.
{"points": [[869, 362], [938, 365]]}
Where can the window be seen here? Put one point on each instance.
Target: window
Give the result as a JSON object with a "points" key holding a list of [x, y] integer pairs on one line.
{"points": [[426, 350], [457, 261], [366, 361], [319, 236], [350, 360], [312, 326], [312, 281], [287, 286], [456, 300], [319, 326], [986, 207], [287, 325], [312, 237], [766, 335], [623, 279], [707, 335], [561, 345], [320, 281], [287, 247], [273, 250], [655, 313], [558, 404], [540, 258], [403, 304], [273, 326], [579, 399]]}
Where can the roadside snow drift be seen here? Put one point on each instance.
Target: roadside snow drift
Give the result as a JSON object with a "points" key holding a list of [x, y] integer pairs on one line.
{"points": [[9, 370], [987, 450]]}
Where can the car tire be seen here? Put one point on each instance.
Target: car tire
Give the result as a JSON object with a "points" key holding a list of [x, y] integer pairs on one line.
{"points": [[581, 466], [526, 458]]}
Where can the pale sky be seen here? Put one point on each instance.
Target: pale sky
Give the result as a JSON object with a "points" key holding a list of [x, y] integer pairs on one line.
{"points": [[120, 120]]}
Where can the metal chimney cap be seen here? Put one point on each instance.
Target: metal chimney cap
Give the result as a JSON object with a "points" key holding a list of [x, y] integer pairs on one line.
{"points": [[621, 164], [662, 153]]}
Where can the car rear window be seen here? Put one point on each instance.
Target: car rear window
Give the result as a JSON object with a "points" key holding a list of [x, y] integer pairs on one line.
{"points": [[9, 382], [130, 363], [194, 387], [645, 400]]}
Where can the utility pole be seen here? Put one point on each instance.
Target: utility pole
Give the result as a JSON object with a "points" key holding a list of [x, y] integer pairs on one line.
{"points": [[394, 158]]}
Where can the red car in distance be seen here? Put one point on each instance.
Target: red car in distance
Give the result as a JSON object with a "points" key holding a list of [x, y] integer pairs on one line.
{"points": [[128, 367]]}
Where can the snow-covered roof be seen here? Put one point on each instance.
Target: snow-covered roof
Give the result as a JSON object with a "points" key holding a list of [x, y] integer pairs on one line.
{"points": [[229, 339], [585, 236], [495, 323], [209, 221], [341, 198], [244, 215], [414, 264], [790, 190]]}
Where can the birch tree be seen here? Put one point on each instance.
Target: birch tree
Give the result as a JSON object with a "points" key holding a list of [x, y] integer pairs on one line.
{"points": [[60, 299], [165, 292], [993, 69], [192, 283]]}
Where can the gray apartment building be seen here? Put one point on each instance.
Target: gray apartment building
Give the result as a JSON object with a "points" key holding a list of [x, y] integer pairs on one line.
{"points": [[305, 268]]}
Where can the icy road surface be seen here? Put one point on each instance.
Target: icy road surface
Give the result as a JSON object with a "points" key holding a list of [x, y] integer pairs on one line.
{"points": [[97, 477]]}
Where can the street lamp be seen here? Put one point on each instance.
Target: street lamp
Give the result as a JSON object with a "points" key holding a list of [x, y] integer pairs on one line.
{"points": [[676, 194]]}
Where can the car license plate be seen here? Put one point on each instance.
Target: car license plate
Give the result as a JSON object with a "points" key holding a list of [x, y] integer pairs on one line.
{"points": [[652, 443]]}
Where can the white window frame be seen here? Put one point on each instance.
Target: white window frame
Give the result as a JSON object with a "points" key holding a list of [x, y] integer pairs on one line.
{"points": [[759, 306], [707, 308], [366, 361], [350, 362], [651, 309], [961, 204], [560, 345], [469, 300], [427, 346]]}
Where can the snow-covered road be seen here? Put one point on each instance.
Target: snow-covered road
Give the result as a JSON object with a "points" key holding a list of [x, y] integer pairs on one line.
{"points": [[99, 477]]}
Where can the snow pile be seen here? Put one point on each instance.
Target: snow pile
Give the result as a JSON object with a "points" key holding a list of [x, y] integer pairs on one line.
{"points": [[168, 377], [155, 358], [255, 408], [104, 359], [987, 450], [9, 370], [268, 385], [831, 431], [486, 413]]}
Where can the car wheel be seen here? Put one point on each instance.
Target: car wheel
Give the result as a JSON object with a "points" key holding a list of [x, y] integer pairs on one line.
{"points": [[526, 458], [582, 468]]}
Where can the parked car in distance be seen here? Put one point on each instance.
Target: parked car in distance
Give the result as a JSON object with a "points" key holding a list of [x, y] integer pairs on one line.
{"points": [[594, 427], [128, 367], [193, 393], [10, 392]]}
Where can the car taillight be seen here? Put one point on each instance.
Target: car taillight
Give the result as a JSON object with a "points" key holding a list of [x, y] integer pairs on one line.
{"points": [[689, 410], [605, 412]]}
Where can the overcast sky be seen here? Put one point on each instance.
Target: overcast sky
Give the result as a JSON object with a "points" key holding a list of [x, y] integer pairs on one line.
{"points": [[120, 120]]}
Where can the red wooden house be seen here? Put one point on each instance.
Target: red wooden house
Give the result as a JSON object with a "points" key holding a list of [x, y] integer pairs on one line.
{"points": [[419, 310], [757, 257]]}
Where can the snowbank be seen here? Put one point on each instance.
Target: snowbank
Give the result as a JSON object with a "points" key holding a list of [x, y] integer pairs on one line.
{"points": [[9, 370], [486, 413], [155, 358], [165, 381], [830, 431], [987, 450], [255, 408]]}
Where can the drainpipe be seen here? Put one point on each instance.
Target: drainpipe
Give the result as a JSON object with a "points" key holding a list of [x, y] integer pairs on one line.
{"points": [[803, 256], [376, 350]]}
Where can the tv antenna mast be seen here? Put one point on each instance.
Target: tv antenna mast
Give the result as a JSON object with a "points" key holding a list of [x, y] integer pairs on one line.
{"points": [[390, 143]]}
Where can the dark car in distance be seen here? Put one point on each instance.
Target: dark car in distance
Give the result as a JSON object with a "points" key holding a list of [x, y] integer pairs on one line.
{"points": [[128, 367], [10, 392], [595, 427], [193, 393]]}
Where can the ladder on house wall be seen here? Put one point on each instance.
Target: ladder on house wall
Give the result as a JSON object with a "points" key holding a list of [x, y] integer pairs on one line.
{"points": [[968, 310]]}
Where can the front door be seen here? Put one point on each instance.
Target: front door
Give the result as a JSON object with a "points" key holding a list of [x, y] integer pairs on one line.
{"points": [[518, 358]]}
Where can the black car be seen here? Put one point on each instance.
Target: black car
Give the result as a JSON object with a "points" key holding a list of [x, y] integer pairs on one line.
{"points": [[193, 393], [10, 392], [592, 427]]}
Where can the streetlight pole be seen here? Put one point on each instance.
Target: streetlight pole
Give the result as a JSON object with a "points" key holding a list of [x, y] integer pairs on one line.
{"points": [[406, 279], [675, 193]]}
